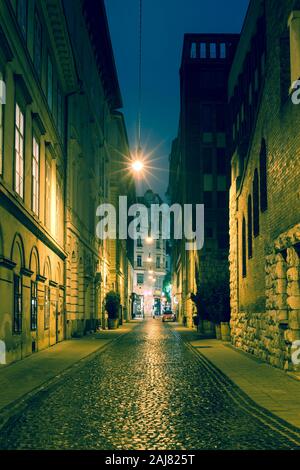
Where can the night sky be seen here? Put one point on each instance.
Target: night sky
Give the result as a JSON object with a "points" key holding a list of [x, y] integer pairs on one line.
{"points": [[164, 24]]}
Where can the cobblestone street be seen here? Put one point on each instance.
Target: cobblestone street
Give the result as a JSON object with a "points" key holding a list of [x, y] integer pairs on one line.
{"points": [[147, 390]]}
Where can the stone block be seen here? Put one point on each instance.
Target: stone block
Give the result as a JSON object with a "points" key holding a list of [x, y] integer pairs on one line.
{"points": [[294, 302], [293, 274], [291, 335]]}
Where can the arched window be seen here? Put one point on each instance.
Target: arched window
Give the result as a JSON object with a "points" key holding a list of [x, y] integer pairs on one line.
{"points": [[255, 204], [244, 248], [250, 251], [263, 177]]}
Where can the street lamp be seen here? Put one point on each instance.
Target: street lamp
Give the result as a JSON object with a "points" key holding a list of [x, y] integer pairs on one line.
{"points": [[149, 240], [137, 166]]}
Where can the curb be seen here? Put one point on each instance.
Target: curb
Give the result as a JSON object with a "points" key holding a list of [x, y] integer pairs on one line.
{"points": [[244, 401], [12, 409]]}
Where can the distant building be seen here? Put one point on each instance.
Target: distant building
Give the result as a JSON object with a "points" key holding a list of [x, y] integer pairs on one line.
{"points": [[199, 166], [149, 267], [264, 195]]}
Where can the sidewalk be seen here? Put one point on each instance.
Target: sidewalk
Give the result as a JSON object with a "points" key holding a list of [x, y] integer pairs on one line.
{"points": [[271, 388], [21, 378]]}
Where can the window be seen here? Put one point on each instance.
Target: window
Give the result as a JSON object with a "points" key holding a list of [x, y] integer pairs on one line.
{"points": [[48, 193], [263, 177], [222, 199], [59, 209], [158, 244], [203, 50], [37, 45], [223, 50], [213, 50], [17, 324], [33, 306], [255, 204], [220, 118], [47, 308], [208, 199], [207, 118], [208, 182], [59, 111], [221, 183], [19, 151], [221, 162], [223, 241], [250, 251], [35, 175], [2, 97], [50, 83], [209, 232], [244, 256], [140, 278], [207, 160], [139, 242], [22, 16], [139, 261], [193, 50], [158, 261]]}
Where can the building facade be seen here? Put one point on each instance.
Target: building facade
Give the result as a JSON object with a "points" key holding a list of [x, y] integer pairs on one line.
{"points": [[62, 92], [264, 195], [200, 169]]}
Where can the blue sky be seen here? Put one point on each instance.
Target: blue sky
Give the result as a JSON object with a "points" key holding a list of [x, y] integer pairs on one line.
{"points": [[164, 24]]}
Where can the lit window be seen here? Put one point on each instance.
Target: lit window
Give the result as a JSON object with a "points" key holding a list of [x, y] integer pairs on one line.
{"points": [[59, 211], [19, 151], [48, 193], [213, 50], [223, 50], [35, 175], [193, 50], [203, 50]]}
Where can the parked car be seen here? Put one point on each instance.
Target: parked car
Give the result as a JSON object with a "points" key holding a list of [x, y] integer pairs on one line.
{"points": [[168, 315]]}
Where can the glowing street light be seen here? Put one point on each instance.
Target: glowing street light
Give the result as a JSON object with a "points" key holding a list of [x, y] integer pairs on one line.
{"points": [[137, 166], [149, 240]]}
